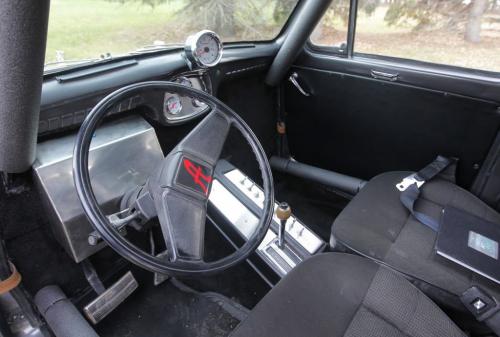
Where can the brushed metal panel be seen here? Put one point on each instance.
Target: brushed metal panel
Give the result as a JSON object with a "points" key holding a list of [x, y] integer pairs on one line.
{"points": [[122, 155]]}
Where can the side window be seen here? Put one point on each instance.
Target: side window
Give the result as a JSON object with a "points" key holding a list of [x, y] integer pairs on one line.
{"points": [[331, 31], [463, 33], [452, 32]]}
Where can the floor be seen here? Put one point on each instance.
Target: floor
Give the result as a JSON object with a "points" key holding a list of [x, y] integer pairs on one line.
{"points": [[312, 203], [168, 310]]}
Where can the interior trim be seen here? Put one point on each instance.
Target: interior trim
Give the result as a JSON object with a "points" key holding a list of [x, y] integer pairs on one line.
{"points": [[450, 81]]}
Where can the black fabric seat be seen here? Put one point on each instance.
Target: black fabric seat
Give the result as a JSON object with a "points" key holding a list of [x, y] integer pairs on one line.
{"points": [[337, 294], [376, 225]]}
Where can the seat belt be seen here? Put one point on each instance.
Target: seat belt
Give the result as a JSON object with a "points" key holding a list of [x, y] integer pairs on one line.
{"points": [[410, 188], [484, 307]]}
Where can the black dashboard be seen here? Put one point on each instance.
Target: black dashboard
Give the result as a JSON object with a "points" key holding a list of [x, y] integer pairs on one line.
{"points": [[67, 97]]}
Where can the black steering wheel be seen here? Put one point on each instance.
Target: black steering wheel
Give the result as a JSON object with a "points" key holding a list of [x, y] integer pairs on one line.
{"points": [[178, 190]]}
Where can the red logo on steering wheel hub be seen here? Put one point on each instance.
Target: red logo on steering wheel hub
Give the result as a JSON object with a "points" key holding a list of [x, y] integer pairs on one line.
{"points": [[200, 176]]}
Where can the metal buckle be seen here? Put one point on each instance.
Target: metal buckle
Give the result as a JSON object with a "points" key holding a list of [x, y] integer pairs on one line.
{"points": [[408, 181]]}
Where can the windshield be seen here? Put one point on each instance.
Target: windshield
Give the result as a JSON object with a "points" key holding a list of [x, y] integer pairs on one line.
{"points": [[82, 31]]}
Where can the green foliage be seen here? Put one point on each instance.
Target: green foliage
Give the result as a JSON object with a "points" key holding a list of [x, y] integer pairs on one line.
{"points": [[251, 19], [282, 9], [428, 14], [151, 3], [403, 11]]}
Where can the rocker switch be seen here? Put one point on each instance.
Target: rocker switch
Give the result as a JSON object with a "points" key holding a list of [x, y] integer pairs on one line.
{"points": [[283, 213]]}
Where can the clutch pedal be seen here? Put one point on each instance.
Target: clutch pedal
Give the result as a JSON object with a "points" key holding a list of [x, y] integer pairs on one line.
{"points": [[110, 298]]}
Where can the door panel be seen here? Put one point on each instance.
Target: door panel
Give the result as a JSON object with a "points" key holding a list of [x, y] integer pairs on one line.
{"points": [[362, 126]]}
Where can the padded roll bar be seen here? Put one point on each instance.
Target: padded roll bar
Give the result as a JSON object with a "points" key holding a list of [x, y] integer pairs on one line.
{"points": [[336, 180], [303, 23], [61, 315], [23, 34]]}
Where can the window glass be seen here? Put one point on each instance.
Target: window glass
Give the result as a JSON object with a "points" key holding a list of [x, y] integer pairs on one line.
{"points": [[463, 33], [331, 31], [87, 29]]}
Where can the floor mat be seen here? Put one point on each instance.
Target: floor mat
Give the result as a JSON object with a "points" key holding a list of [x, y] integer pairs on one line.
{"points": [[241, 283], [312, 203], [169, 310]]}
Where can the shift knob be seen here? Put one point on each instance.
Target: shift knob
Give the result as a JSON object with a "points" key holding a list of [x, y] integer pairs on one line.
{"points": [[283, 213]]}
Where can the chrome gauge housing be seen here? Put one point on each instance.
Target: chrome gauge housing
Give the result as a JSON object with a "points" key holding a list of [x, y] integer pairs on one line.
{"points": [[203, 49], [179, 108]]}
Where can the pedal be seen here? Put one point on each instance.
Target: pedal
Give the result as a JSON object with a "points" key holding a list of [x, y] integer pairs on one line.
{"points": [[160, 278], [107, 301]]}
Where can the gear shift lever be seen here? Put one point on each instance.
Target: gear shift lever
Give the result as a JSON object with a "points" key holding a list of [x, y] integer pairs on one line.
{"points": [[283, 213]]}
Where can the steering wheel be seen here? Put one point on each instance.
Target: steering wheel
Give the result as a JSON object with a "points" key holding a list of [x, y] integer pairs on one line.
{"points": [[177, 192]]}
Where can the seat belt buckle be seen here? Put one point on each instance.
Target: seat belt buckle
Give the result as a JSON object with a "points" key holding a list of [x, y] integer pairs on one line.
{"points": [[479, 303], [408, 181]]}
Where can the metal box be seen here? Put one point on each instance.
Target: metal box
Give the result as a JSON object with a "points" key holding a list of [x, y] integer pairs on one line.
{"points": [[122, 155]]}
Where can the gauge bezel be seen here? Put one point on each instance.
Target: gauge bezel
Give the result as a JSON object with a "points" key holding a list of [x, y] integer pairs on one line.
{"points": [[192, 42]]}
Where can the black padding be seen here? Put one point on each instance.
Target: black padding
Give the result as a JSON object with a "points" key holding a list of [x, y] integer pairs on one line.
{"points": [[377, 225], [61, 315], [23, 30], [335, 295]]}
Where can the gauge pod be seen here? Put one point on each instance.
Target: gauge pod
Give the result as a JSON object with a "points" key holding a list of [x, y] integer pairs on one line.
{"points": [[203, 49]]}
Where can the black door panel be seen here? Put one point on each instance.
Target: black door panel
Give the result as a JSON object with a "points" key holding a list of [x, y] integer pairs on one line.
{"points": [[362, 127]]}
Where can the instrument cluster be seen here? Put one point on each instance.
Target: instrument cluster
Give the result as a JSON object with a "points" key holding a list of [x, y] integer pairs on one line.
{"points": [[177, 108], [201, 51]]}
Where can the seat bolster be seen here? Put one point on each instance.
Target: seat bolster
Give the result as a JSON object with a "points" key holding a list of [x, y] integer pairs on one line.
{"points": [[397, 308], [318, 298], [334, 295], [373, 219]]}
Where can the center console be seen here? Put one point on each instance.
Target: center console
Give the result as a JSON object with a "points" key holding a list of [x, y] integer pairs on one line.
{"points": [[238, 202]]}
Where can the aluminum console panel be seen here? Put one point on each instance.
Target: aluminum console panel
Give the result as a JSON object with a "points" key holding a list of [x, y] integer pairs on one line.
{"points": [[122, 155], [245, 222]]}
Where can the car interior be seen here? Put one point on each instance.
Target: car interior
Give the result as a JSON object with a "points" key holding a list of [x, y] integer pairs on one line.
{"points": [[245, 188]]}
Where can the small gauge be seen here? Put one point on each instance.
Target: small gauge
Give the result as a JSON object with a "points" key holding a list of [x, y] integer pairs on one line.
{"points": [[204, 49], [172, 104], [184, 81], [199, 104]]}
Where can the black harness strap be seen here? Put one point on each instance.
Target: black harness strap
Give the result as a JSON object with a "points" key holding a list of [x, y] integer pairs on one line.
{"points": [[410, 188]]}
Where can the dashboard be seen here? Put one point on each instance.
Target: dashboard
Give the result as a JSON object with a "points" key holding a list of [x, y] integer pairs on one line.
{"points": [[67, 97], [126, 149]]}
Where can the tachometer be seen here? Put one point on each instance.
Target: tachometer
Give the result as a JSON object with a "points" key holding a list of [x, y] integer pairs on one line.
{"points": [[204, 49]]}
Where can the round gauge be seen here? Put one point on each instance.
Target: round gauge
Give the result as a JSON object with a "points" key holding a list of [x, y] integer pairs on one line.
{"points": [[172, 105], [204, 48]]}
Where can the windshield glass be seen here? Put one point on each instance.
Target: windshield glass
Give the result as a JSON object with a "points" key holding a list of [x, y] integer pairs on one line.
{"points": [[82, 31]]}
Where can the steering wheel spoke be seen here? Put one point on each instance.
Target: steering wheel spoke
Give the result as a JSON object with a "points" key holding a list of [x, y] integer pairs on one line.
{"points": [[182, 221], [207, 139]]}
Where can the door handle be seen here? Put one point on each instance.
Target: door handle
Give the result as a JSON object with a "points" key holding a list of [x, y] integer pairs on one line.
{"points": [[380, 75], [293, 78]]}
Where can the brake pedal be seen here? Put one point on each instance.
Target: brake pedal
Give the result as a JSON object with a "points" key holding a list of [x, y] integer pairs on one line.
{"points": [[107, 301]]}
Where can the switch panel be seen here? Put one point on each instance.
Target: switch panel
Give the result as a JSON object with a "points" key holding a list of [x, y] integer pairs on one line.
{"points": [[296, 229], [241, 212]]}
